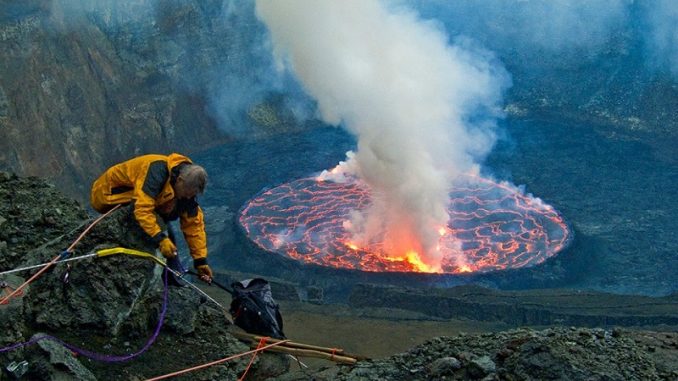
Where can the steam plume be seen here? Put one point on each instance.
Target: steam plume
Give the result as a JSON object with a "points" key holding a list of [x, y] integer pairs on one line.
{"points": [[418, 106], [662, 35]]}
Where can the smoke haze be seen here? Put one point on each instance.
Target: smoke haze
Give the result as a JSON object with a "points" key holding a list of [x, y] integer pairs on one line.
{"points": [[565, 30], [421, 108], [661, 35], [551, 26]]}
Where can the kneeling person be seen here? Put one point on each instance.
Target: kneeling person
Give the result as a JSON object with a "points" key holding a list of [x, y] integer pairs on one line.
{"points": [[167, 185]]}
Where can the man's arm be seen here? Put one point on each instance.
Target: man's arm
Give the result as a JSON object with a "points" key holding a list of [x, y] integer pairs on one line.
{"points": [[146, 188], [193, 227]]}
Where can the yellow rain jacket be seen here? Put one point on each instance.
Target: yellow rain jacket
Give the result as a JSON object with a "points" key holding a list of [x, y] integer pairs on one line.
{"points": [[146, 181]]}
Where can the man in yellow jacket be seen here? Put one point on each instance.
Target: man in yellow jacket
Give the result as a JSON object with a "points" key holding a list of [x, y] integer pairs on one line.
{"points": [[166, 185]]}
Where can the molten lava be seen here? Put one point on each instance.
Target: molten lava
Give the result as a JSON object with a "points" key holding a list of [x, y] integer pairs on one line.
{"points": [[492, 226]]}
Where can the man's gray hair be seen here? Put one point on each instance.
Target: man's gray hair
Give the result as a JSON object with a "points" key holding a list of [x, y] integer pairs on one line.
{"points": [[194, 177]]}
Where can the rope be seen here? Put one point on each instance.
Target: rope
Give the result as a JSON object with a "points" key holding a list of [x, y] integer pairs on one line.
{"points": [[132, 252], [99, 356], [187, 370], [137, 253], [99, 253], [262, 342], [6, 299], [108, 358], [122, 250], [60, 256], [46, 263], [4, 285], [101, 217]]}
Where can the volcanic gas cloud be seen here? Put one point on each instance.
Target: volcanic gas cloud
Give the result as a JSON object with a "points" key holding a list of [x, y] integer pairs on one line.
{"points": [[423, 109]]}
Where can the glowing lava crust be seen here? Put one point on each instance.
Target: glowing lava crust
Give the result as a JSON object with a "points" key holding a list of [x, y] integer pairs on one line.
{"points": [[493, 226]]}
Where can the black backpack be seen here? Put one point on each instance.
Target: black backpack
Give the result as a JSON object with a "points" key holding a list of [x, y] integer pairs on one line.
{"points": [[254, 310]]}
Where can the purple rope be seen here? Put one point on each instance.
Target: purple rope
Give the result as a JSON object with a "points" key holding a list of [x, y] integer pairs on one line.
{"points": [[99, 356]]}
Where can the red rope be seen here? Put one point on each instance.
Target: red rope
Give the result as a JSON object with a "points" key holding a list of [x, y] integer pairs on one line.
{"points": [[11, 290], [262, 342], [101, 217], [55, 259], [6, 299], [177, 373]]}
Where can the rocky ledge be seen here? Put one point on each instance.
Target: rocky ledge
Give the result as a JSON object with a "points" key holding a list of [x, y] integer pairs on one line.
{"points": [[525, 354], [109, 305]]}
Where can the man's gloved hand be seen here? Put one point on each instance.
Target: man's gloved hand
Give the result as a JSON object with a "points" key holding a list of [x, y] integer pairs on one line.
{"points": [[205, 273], [167, 248]]}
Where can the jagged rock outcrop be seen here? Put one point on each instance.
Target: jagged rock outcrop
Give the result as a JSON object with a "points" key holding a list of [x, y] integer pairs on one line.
{"points": [[523, 354], [84, 86], [111, 305], [61, 364], [11, 318]]}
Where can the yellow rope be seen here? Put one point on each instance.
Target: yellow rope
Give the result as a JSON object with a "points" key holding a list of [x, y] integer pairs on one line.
{"points": [[136, 253], [141, 254]]}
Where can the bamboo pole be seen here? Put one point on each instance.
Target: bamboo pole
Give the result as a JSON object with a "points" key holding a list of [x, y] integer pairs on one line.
{"points": [[311, 353], [291, 344]]}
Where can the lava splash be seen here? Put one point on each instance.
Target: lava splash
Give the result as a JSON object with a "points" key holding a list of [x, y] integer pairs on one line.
{"points": [[492, 226]]}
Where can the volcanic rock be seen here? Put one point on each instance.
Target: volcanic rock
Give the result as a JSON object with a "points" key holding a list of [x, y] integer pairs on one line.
{"points": [[110, 305], [11, 317], [108, 73], [523, 354], [445, 366], [62, 365]]}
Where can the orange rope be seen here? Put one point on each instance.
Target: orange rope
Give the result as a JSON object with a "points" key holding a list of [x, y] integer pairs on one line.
{"points": [[55, 259], [6, 299], [262, 342], [177, 373], [11, 290], [334, 351], [101, 217]]}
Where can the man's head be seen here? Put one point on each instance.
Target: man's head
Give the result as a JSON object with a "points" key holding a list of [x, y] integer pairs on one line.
{"points": [[191, 181]]}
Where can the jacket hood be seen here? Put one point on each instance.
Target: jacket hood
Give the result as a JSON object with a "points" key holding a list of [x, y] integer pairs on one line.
{"points": [[175, 159]]}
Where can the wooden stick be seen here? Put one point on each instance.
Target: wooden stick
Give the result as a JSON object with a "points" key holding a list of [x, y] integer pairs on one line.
{"points": [[291, 344], [311, 353]]}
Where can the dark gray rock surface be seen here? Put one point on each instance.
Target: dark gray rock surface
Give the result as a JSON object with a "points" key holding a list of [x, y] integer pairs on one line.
{"points": [[523, 354], [62, 364], [12, 317], [110, 305], [86, 85]]}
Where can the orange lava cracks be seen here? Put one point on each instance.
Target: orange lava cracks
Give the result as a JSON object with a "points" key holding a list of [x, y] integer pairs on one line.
{"points": [[493, 226]]}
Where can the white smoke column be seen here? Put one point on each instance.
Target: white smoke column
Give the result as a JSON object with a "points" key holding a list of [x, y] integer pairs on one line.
{"points": [[662, 37], [408, 96]]}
